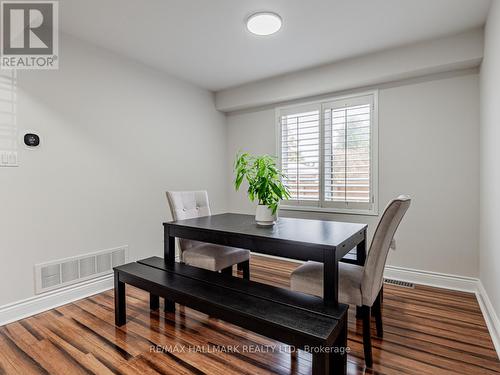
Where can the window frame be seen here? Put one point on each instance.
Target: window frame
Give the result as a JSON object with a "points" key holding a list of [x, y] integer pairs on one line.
{"points": [[321, 205]]}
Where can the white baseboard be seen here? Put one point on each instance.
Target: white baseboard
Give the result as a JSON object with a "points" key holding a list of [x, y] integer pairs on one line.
{"points": [[46, 301], [438, 280], [490, 316]]}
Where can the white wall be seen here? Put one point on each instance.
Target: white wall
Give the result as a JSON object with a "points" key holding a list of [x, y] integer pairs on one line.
{"points": [[489, 159], [115, 135], [428, 148]]}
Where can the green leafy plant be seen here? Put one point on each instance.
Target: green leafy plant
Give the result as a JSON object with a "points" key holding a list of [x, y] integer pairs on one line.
{"points": [[263, 177]]}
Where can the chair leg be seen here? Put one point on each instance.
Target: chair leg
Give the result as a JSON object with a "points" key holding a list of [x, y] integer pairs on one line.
{"points": [[169, 306], [367, 341], [228, 271], [377, 312], [246, 269], [359, 312]]}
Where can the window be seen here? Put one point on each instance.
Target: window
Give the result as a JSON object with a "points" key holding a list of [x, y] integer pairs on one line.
{"points": [[328, 153], [8, 124]]}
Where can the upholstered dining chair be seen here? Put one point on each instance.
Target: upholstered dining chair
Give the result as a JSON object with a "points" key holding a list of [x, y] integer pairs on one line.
{"points": [[192, 204], [360, 285]]}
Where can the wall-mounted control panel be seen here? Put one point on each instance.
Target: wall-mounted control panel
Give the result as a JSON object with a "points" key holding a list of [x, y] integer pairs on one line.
{"points": [[31, 140]]}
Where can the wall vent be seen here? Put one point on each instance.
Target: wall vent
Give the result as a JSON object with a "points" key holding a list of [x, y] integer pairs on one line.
{"points": [[63, 272], [403, 284]]}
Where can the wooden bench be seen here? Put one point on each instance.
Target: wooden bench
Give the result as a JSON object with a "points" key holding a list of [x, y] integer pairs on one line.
{"points": [[297, 319]]}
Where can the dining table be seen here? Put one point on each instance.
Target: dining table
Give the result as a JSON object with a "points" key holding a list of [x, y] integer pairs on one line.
{"points": [[325, 241]]}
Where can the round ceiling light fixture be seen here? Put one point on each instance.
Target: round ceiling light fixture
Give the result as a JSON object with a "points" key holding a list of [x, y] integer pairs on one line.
{"points": [[264, 23]]}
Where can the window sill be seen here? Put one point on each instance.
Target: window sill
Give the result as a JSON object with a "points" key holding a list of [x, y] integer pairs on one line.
{"points": [[329, 210]]}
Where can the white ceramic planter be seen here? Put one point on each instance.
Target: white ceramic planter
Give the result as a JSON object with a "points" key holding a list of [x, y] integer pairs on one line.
{"points": [[264, 216]]}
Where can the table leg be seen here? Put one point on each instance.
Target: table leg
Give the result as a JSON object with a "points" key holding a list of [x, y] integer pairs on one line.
{"points": [[120, 307], [169, 247], [361, 251], [360, 261], [330, 278], [169, 256]]}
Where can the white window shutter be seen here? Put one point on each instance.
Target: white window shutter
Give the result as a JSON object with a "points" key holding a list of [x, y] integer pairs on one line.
{"points": [[347, 145], [328, 152], [300, 154]]}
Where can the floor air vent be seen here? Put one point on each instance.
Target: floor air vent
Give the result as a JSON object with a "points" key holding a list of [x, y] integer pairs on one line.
{"points": [[64, 272], [403, 284]]}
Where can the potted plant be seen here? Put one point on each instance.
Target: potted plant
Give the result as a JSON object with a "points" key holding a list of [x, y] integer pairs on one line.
{"points": [[264, 184]]}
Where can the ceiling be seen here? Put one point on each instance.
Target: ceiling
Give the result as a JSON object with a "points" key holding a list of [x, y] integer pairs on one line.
{"points": [[206, 41]]}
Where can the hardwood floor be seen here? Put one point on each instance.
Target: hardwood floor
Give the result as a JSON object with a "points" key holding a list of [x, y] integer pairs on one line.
{"points": [[426, 331]]}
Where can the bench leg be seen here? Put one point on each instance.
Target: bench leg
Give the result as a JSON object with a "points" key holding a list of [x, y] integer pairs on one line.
{"points": [[154, 301], [120, 308], [227, 271], [320, 364], [338, 359]]}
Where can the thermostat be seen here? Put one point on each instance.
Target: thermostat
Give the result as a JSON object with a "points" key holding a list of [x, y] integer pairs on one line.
{"points": [[31, 140]]}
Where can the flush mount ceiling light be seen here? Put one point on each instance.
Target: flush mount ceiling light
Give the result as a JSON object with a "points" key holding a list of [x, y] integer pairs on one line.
{"points": [[264, 23]]}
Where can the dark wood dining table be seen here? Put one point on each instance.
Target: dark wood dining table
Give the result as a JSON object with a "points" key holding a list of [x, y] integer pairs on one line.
{"points": [[322, 241]]}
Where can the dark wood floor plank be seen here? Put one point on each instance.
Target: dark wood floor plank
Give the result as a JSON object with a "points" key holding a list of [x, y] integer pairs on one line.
{"points": [[53, 359], [101, 350], [14, 360], [427, 331], [433, 312], [450, 340], [76, 351]]}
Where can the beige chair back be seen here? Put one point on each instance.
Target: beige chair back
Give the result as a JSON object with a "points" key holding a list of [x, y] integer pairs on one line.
{"points": [[373, 272], [188, 205]]}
